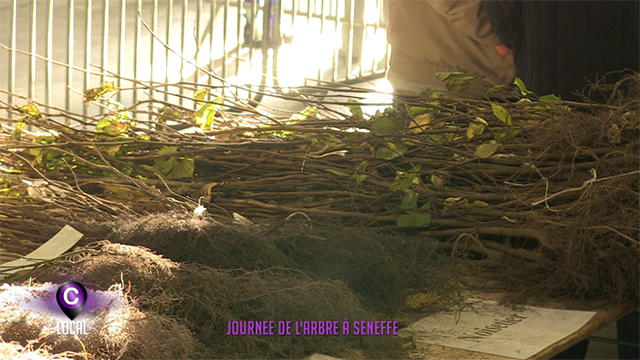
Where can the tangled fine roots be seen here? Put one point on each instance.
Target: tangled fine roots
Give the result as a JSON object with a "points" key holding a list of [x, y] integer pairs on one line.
{"points": [[588, 259], [380, 267], [588, 220], [206, 299], [117, 329], [184, 238], [15, 351]]}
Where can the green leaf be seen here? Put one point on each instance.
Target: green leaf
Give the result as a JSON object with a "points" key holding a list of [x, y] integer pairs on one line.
{"points": [[183, 168], [34, 151], [405, 179], [360, 179], [444, 137], [444, 76], [409, 200], [124, 168], [549, 97], [418, 110], [363, 165], [486, 149], [456, 81], [501, 113], [505, 135], [523, 89], [385, 153], [164, 166], [460, 84], [502, 136], [167, 150], [414, 219], [337, 172], [497, 88], [110, 150], [168, 112], [400, 148], [383, 125], [111, 129], [51, 160], [174, 167], [392, 151], [355, 108]]}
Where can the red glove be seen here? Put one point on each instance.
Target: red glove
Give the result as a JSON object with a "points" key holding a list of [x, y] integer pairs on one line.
{"points": [[502, 49]]}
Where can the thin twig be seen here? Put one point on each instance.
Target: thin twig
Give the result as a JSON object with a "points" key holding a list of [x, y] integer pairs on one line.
{"points": [[584, 185]]}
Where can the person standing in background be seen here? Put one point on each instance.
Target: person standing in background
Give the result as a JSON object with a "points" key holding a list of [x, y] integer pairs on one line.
{"points": [[427, 37], [559, 46]]}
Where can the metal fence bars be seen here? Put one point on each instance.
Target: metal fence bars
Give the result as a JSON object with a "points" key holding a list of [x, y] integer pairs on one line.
{"points": [[269, 42]]}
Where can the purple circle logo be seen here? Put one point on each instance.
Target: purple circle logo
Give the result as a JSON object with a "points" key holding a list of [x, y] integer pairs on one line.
{"points": [[71, 297]]}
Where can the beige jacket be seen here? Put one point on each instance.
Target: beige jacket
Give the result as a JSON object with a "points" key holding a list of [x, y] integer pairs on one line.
{"points": [[444, 36]]}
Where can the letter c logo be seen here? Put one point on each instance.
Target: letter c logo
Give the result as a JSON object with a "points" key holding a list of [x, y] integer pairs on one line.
{"points": [[66, 296]]}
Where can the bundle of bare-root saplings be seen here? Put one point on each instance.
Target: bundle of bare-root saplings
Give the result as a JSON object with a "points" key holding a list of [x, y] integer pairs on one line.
{"points": [[528, 194]]}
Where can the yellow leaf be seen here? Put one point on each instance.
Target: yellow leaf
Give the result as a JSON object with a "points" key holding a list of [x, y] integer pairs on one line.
{"points": [[508, 219], [480, 120], [200, 94], [476, 128], [454, 201], [31, 110], [110, 150], [456, 157], [420, 300], [486, 149], [95, 93], [438, 180], [420, 123], [17, 132], [450, 201]]}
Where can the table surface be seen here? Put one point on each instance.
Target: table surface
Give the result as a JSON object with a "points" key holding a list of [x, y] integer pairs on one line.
{"points": [[601, 319]]}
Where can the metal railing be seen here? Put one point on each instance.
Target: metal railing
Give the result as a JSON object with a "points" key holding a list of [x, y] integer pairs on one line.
{"points": [[257, 42]]}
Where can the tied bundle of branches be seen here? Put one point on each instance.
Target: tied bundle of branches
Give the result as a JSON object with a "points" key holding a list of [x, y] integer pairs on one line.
{"points": [[504, 183]]}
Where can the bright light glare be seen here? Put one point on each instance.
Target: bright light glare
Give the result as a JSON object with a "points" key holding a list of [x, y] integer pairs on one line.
{"points": [[313, 47]]}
